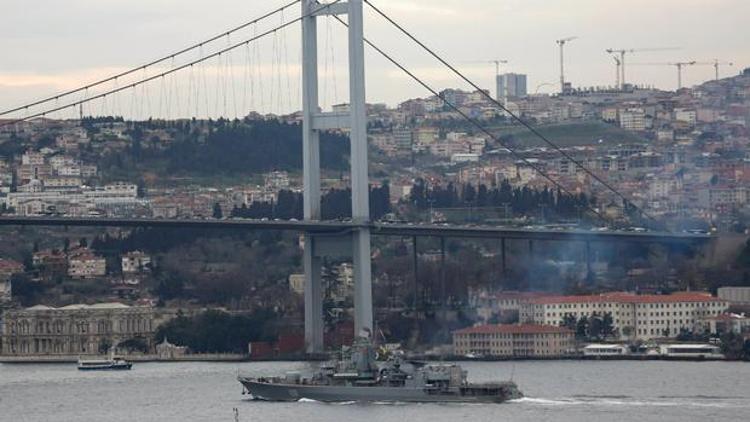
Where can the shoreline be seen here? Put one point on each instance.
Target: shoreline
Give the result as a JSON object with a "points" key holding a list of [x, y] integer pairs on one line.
{"points": [[246, 358]]}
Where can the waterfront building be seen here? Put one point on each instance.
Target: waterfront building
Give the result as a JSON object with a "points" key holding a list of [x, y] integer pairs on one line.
{"points": [[724, 323], [78, 329], [640, 317], [168, 351], [511, 340]]}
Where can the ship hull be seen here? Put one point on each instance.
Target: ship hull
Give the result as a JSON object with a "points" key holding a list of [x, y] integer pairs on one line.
{"points": [[125, 367], [328, 393]]}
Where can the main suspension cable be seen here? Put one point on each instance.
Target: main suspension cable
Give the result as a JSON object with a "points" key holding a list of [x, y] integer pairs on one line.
{"points": [[170, 71], [149, 64], [626, 201], [477, 124]]}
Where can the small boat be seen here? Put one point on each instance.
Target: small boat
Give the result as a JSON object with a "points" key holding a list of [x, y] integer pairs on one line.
{"points": [[111, 364]]}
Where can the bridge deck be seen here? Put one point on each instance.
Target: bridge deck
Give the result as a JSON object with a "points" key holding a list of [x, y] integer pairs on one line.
{"points": [[384, 229]]}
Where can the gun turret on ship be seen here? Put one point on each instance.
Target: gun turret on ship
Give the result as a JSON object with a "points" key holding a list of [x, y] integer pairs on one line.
{"points": [[357, 376]]}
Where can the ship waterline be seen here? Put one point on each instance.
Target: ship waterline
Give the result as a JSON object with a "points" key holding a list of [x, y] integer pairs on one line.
{"points": [[295, 392]]}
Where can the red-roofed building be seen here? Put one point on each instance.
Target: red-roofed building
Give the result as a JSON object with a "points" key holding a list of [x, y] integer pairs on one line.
{"points": [[639, 317], [8, 267], [514, 340], [50, 262]]}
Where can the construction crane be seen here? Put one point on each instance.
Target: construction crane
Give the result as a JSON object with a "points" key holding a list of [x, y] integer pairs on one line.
{"points": [[617, 70], [497, 63], [622, 53], [716, 63], [561, 43], [678, 65]]}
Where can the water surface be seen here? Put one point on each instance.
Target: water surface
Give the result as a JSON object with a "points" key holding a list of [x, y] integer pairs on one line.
{"points": [[555, 390]]}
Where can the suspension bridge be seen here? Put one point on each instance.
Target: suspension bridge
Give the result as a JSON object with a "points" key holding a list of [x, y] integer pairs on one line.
{"points": [[129, 92]]}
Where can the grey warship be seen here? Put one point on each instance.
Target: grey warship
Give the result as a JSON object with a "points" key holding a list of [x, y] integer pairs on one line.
{"points": [[358, 376]]}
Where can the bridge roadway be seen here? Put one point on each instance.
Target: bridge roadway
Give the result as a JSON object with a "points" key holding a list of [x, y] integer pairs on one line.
{"points": [[377, 228]]}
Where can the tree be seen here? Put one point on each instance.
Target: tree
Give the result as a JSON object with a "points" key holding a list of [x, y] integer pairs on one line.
{"points": [[26, 291], [104, 345], [608, 328], [582, 328], [135, 344], [169, 287], [596, 328], [217, 211], [218, 332], [733, 346], [569, 321]]}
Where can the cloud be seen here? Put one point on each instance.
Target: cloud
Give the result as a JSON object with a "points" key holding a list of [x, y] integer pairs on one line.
{"points": [[59, 80], [414, 7]]}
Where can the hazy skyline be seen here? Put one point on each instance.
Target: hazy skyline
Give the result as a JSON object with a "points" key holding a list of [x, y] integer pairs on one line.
{"points": [[50, 46]]}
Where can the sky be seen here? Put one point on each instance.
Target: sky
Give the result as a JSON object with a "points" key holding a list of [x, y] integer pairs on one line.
{"points": [[51, 45]]}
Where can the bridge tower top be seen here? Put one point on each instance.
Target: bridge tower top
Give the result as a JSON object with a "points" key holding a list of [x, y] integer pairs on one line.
{"points": [[357, 243], [315, 120]]}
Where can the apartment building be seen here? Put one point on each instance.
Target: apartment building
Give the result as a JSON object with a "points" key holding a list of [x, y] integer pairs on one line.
{"points": [[82, 263]]}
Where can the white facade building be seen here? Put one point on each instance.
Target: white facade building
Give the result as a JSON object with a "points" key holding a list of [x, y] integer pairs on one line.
{"points": [[639, 317], [84, 264], [737, 295]]}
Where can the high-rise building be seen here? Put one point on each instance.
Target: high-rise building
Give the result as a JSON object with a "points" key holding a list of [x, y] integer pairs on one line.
{"points": [[511, 85]]}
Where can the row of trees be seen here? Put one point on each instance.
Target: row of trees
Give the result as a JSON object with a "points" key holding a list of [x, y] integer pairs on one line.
{"points": [[520, 200], [597, 327], [237, 147], [218, 332], [336, 203]]}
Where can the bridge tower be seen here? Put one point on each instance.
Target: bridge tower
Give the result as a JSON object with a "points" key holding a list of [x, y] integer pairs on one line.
{"points": [[354, 245]]}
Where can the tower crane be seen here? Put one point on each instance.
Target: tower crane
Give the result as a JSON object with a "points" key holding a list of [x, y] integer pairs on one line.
{"points": [[678, 65], [617, 70], [622, 53], [561, 42], [716, 63], [497, 63]]}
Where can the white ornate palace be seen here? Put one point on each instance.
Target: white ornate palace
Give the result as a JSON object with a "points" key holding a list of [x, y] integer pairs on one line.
{"points": [[78, 329]]}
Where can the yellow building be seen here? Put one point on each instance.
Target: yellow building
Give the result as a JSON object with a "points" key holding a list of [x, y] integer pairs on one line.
{"points": [[522, 340]]}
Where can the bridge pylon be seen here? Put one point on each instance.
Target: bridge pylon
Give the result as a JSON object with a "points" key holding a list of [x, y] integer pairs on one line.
{"points": [[357, 243]]}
